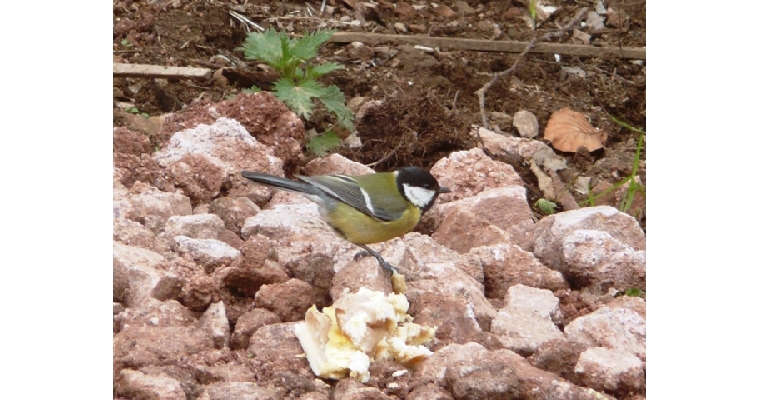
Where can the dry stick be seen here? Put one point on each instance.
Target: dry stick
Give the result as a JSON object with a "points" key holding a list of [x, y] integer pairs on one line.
{"points": [[121, 70], [501, 46], [535, 40]]}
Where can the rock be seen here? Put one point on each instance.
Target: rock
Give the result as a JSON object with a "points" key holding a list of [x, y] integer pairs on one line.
{"points": [[350, 389], [611, 370], [135, 276], [509, 146], [198, 290], [363, 273], [288, 300], [227, 145], [636, 304], [218, 366], [313, 396], [617, 19], [197, 176], [452, 315], [234, 211], [500, 119], [504, 208], [551, 231], [468, 173], [399, 27], [507, 265], [558, 356], [242, 391], [595, 258], [613, 328], [463, 8], [149, 206], [275, 352], [526, 124], [428, 392], [214, 321], [248, 323], [404, 9], [594, 21], [495, 380], [580, 37], [432, 268], [273, 123], [336, 164], [135, 384], [131, 157], [358, 50], [255, 267], [231, 239], [198, 226], [532, 383], [157, 314], [282, 221], [134, 234], [461, 229], [118, 308], [306, 246], [444, 11], [528, 320], [209, 253], [136, 347]]}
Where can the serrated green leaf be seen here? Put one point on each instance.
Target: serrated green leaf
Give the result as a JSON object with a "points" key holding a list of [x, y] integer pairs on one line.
{"points": [[306, 48], [335, 102], [298, 97], [252, 89], [322, 69], [321, 144], [264, 46]]}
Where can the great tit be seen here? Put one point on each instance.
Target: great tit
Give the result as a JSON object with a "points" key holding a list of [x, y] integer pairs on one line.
{"points": [[367, 208]]}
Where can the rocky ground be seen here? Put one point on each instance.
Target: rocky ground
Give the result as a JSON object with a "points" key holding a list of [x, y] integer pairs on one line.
{"points": [[211, 273]]}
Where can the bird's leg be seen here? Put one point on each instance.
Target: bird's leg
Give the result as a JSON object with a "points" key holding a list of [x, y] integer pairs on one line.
{"points": [[367, 251]]}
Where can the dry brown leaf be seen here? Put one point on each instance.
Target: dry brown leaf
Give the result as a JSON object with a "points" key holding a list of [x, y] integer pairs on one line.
{"points": [[568, 130]]}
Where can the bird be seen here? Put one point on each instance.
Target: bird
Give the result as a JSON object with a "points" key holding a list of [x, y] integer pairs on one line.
{"points": [[365, 209]]}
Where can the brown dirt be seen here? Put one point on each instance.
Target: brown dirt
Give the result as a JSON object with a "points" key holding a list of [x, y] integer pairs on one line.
{"points": [[430, 102]]}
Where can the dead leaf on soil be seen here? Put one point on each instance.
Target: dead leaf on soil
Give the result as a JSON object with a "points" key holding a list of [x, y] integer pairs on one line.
{"points": [[568, 130]]}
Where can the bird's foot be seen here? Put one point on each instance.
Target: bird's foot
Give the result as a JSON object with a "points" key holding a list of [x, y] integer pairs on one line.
{"points": [[369, 252]]}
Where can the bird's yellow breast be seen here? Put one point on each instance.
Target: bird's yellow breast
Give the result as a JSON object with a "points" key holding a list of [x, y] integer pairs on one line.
{"points": [[360, 228]]}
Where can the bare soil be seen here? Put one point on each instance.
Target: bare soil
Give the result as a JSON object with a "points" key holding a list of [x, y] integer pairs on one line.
{"points": [[430, 101]]}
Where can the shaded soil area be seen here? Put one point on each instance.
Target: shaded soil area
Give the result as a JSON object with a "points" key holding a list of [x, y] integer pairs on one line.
{"points": [[429, 102]]}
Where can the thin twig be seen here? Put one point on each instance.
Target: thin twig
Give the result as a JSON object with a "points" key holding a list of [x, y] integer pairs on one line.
{"points": [[245, 21], [386, 157], [535, 40]]}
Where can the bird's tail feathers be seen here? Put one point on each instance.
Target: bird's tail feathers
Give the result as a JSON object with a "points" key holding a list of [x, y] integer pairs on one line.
{"points": [[281, 183]]}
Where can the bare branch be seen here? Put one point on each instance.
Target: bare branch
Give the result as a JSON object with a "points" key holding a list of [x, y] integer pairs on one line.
{"points": [[535, 40]]}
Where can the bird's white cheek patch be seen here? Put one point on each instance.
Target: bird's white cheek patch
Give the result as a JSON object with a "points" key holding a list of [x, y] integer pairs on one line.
{"points": [[420, 197]]}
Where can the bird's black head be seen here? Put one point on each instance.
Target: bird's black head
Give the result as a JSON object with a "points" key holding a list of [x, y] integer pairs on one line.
{"points": [[418, 187]]}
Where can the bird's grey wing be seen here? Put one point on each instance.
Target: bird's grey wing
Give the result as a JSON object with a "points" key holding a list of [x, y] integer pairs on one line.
{"points": [[345, 189]]}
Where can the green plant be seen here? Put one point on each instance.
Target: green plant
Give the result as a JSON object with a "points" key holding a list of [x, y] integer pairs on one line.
{"points": [[298, 86], [134, 110], [633, 185], [545, 206], [532, 12], [323, 143], [635, 292]]}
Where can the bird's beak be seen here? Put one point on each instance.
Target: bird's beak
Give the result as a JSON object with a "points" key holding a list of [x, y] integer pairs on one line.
{"points": [[444, 189]]}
